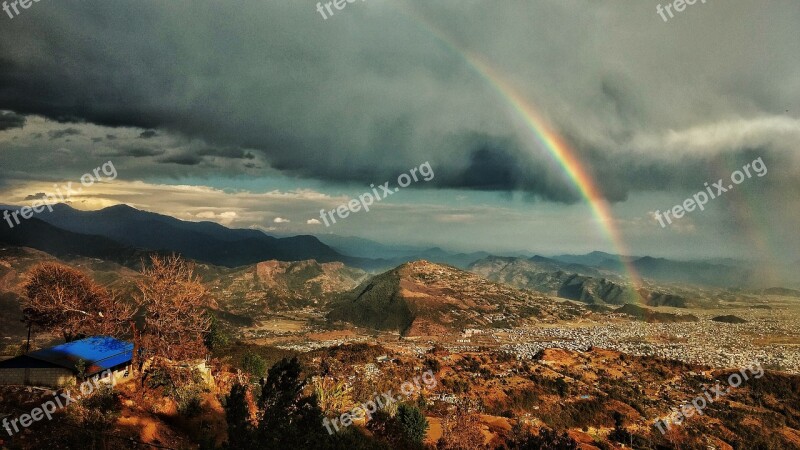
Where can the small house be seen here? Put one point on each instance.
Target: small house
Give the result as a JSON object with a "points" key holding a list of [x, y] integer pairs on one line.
{"points": [[58, 366]]}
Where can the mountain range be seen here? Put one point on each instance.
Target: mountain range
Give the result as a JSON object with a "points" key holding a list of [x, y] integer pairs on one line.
{"points": [[203, 241], [570, 280], [124, 234], [721, 272], [37, 234]]}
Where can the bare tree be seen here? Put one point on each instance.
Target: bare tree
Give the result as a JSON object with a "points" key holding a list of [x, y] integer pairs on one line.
{"points": [[175, 321], [63, 299], [461, 430]]}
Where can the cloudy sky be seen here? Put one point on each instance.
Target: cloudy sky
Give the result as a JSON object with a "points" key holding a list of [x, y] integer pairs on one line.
{"points": [[257, 113]]}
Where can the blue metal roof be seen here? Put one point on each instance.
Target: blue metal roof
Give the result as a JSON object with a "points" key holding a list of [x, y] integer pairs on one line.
{"points": [[98, 352]]}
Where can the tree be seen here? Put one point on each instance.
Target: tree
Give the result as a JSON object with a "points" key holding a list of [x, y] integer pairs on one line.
{"points": [[254, 365], [405, 429], [238, 415], [620, 434], [91, 421], [217, 337], [285, 418], [562, 387], [176, 323], [289, 419], [412, 423], [383, 425], [63, 299], [461, 430], [546, 440]]}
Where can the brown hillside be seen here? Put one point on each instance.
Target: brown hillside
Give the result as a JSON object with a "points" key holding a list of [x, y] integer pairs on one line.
{"points": [[423, 299]]}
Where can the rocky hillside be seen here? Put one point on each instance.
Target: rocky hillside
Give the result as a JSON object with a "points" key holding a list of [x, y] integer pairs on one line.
{"points": [[274, 285], [729, 318], [783, 292], [570, 281], [236, 295], [422, 298], [648, 315]]}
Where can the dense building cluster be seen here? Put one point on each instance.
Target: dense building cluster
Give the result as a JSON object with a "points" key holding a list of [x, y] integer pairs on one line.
{"points": [[711, 343]]}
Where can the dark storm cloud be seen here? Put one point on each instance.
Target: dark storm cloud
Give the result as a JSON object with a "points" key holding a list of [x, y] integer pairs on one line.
{"points": [[141, 152], [183, 160], [497, 164], [10, 119], [134, 152], [229, 152], [372, 92], [36, 196], [58, 134]]}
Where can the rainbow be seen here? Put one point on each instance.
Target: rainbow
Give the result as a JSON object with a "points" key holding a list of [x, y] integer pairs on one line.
{"points": [[544, 135], [565, 156]]}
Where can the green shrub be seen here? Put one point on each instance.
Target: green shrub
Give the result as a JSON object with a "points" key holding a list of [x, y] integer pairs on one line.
{"points": [[412, 423], [190, 403], [254, 365]]}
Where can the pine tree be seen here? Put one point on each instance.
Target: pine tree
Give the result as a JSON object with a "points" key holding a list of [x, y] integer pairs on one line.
{"points": [[238, 415], [412, 423], [289, 419]]}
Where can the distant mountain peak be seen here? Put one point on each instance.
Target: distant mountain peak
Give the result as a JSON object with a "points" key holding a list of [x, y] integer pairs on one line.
{"points": [[62, 206], [120, 207]]}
